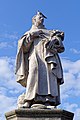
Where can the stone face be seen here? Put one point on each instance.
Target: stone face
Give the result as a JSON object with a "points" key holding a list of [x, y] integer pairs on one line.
{"points": [[39, 114]]}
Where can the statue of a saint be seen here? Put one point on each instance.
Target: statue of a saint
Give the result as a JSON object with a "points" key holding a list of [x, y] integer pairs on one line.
{"points": [[38, 66]]}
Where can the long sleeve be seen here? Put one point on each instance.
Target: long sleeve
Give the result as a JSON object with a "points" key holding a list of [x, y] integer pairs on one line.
{"points": [[22, 64]]}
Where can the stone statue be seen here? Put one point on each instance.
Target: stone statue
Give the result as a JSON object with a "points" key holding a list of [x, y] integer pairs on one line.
{"points": [[38, 66]]}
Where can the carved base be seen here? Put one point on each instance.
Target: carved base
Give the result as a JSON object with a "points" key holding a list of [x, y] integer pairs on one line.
{"points": [[39, 114]]}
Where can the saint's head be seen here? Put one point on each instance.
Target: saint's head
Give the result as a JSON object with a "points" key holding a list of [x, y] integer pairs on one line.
{"points": [[38, 19]]}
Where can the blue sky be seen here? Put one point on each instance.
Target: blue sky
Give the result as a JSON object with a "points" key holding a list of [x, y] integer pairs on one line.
{"points": [[15, 20]]}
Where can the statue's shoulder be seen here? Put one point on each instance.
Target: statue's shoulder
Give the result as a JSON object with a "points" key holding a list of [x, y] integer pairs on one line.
{"points": [[27, 32], [22, 37]]}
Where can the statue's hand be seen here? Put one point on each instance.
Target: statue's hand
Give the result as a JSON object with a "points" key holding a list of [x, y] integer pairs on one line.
{"points": [[57, 33], [56, 45], [36, 33], [52, 43]]}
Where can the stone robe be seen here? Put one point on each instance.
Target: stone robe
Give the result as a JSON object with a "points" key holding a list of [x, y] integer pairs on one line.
{"points": [[38, 68]]}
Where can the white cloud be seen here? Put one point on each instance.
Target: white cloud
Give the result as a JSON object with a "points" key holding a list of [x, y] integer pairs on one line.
{"points": [[71, 86], [7, 33], [8, 40], [8, 44], [77, 114], [70, 107], [9, 36], [74, 108], [70, 90], [7, 73], [7, 104], [75, 51], [10, 90]]}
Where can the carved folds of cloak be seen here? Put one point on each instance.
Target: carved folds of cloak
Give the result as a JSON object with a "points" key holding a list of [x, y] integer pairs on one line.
{"points": [[39, 69]]}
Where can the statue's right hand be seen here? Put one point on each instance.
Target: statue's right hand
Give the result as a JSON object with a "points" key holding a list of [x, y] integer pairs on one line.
{"points": [[40, 32], [36, 34]]}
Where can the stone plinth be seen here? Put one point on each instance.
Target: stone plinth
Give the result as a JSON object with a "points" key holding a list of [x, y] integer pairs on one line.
{"points": [[39, 114]]}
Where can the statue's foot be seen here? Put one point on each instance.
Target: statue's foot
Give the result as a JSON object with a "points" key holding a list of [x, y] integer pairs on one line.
{"points": [[51, 107], [26, 105], [38, 106], [47, 104]]}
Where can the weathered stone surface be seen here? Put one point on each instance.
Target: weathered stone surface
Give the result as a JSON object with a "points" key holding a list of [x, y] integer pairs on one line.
{"points": [[38, 66], [39, 114]]}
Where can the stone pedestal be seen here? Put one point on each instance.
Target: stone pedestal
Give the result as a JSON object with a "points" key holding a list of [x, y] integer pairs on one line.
{"points": [[39, 114]]}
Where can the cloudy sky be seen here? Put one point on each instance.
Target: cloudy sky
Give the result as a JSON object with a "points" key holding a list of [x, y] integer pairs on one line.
{"points": [[15, 20]]}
